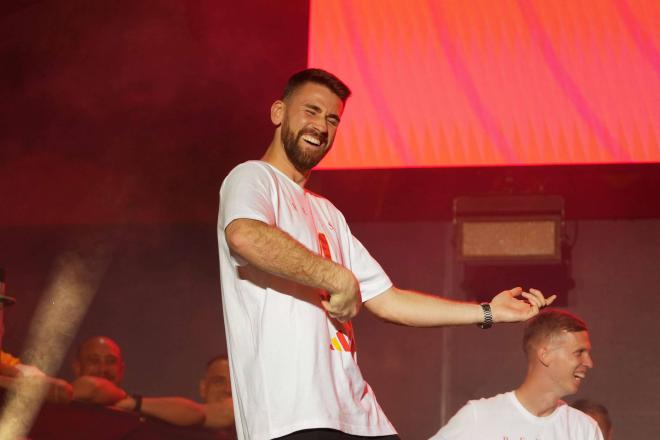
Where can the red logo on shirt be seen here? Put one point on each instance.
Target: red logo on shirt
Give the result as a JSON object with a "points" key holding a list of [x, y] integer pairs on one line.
{"points": [[324, 247], [341, 341]]}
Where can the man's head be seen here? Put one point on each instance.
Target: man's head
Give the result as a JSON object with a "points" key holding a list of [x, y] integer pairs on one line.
{"points": [[99, 356], [215, 386], [599, 414], [558, 350], [308, 115], [317, 76]]}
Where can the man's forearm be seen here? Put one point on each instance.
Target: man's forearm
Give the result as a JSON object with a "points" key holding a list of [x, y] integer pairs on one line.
{"points": [[417, 309], [175, 410], [96, 390], [273, 250], [422, 310]]}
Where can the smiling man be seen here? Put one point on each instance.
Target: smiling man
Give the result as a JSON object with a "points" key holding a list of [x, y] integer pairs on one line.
{"points": [[100, 356], [293, 276], [557, 347]]}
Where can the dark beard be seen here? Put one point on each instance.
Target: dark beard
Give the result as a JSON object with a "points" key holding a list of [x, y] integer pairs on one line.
{"points": [[302, 160]]}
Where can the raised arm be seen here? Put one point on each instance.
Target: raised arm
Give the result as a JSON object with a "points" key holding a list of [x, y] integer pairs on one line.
{"points": [[274, 251], [423, 310]]}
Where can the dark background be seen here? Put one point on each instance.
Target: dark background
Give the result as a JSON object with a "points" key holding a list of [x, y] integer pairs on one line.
{"points": [[118, 122]]}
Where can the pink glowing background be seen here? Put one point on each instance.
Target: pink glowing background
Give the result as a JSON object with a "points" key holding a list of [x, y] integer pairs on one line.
{"points": [[457, 83]]}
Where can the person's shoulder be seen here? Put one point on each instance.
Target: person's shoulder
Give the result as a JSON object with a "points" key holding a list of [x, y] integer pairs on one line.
{"points": [[498, 399], [250, 171], [250, 166]]}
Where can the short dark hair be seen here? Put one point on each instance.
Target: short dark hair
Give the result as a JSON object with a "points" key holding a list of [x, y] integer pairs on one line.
{"points": [[548, 323], [214, 359], [590, 407], [318, 76]]}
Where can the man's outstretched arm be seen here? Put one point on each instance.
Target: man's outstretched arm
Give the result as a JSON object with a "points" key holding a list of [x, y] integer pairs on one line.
{"points": [[274, 251], [423, 310], [175, 410], [97, 390]]}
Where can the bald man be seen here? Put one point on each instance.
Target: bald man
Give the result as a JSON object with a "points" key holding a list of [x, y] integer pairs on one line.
{"points": [[100, 356], [99, 369]]}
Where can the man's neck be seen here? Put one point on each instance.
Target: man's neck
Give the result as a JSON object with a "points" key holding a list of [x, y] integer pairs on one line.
{"points": [[537, 399], [276, 156]]}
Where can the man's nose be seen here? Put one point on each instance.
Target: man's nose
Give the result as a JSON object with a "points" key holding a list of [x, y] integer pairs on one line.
{"points": [[320, 123]]}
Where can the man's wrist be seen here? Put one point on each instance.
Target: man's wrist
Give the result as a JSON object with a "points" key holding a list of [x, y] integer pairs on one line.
{"points": [[137, 407], [487, 321]]}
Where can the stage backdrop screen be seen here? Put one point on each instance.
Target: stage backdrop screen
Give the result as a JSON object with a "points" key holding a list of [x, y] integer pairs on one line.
{"points": [[483, 82]]}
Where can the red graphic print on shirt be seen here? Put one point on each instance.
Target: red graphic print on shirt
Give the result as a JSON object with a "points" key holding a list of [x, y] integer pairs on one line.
{"points": [[342, 340]]}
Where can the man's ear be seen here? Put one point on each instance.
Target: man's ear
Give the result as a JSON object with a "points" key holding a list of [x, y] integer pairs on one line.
{"points": [[543, 355], [277, 112]]}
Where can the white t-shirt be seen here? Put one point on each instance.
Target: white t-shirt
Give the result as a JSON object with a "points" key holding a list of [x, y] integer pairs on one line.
{"points": [[503, 417], [292, 367]]}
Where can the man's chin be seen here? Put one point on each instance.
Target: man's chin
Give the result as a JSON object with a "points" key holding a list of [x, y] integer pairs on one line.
{"points": [[305, 166]]}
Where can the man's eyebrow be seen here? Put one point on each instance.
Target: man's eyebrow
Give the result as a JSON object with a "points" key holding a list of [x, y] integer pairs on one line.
{"points": [[316, 108], [312, 107]]}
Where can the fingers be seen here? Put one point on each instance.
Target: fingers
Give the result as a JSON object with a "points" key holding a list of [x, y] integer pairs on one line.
{"points": [[517, 305], [533, 300], [536, 299], [542, 300], [516, 291], [340, 314]]}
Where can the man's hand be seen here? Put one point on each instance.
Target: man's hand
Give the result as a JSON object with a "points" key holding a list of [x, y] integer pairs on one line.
{"points": [[272, 250], [507, 307], [126, 404], [344, 302]]}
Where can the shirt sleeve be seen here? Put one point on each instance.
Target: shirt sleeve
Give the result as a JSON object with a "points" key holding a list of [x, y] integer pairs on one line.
{"points": [[598, 435], [369, 273], [458, 427], [246, 193]]}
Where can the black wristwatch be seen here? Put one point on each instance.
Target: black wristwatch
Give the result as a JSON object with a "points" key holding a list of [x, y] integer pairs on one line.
{"points": [[488, 316]]}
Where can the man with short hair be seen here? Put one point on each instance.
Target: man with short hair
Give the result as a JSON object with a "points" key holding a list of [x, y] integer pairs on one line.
{"points": [[99, 369], [557, 347], [293, 276]]}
